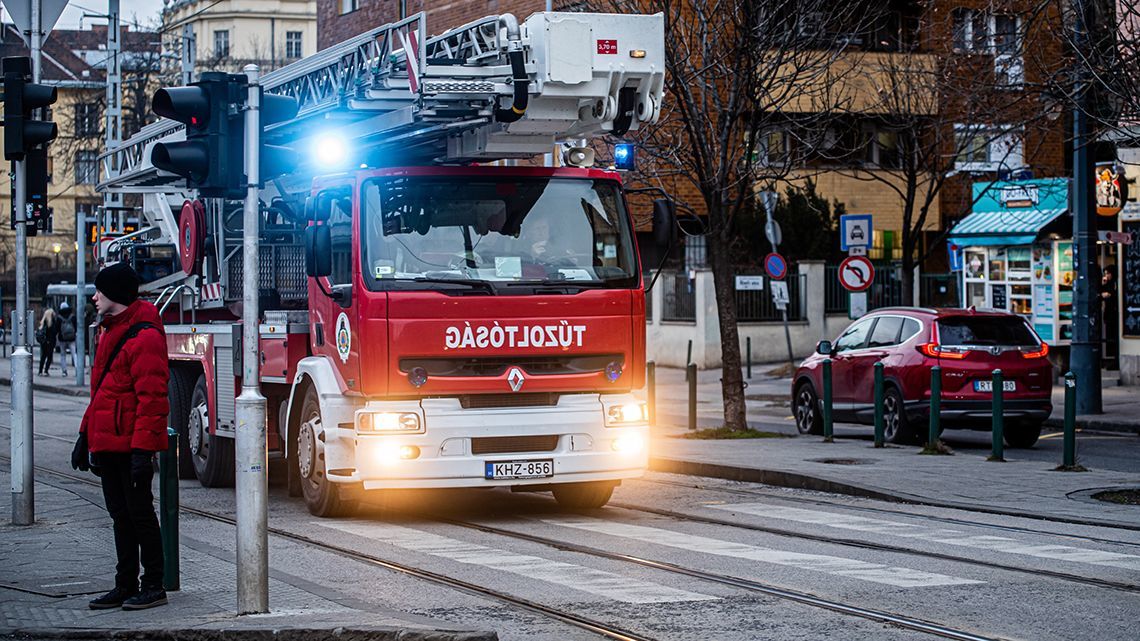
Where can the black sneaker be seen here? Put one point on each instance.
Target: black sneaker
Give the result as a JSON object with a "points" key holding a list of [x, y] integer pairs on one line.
{"points": [[145, 599], [112, 599]]}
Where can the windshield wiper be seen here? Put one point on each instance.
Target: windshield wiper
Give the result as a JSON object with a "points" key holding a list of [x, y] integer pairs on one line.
{"points": [[472, 283]]}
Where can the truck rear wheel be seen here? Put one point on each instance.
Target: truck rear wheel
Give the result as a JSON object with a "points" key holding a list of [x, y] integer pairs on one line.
{"points": [[322, 497], [584, 496], [212, 455], [179, 392]]}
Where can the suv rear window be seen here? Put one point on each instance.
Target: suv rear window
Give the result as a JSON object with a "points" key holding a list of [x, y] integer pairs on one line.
{"points": [[985, 330]]}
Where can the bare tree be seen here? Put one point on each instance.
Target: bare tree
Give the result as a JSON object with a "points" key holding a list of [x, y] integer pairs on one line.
{"points": [[736, 69]]}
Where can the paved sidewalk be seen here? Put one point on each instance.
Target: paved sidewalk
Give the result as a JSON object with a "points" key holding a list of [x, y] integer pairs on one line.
{"points": [[53, 568], [853, 466]]}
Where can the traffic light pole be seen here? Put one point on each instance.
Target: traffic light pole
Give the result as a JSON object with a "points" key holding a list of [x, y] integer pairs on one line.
{"points": [[251, 486], [23, 482]]}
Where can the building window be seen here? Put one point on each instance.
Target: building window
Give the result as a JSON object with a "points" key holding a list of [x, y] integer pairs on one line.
{"points": [[86, 119], [970, 32], [771, 148], [982, 148], [348, 6], [292, 44], [222, 43], [86, 167]]}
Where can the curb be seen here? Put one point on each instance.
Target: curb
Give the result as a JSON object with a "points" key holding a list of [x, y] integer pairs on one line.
{"points": [[803, 482], [237, 634], [1097, 425], [53, 389]]}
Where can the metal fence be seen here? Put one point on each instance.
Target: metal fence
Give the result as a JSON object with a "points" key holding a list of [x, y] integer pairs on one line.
{"points": [[679, 298], [886, 291], [757, 306]]}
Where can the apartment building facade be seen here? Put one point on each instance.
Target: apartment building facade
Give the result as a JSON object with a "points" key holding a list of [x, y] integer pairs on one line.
{"points": [[230, 34]]}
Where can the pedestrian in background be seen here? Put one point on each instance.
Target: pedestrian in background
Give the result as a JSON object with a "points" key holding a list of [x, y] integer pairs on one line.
{"points": [[67, 332], [46, 334], [124, 425]]}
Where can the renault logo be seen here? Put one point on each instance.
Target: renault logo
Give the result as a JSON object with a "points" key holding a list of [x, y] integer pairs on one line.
{"points": [[515, 379]]}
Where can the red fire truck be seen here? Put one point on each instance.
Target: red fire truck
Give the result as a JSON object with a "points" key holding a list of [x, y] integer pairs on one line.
{"points": [[433, 314]]}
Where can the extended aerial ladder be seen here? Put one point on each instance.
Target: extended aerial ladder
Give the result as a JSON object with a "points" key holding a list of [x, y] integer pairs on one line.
{"points": [[489, 90]]}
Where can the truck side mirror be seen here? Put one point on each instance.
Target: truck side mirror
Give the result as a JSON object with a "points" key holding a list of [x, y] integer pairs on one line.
{"points": [[823, 348], [318, 251], [310, 207], [664, 222]]}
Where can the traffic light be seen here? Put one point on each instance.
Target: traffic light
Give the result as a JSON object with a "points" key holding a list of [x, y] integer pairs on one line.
{"points": [[209, 109], [21, 97], [35, 190], [276, 160]]}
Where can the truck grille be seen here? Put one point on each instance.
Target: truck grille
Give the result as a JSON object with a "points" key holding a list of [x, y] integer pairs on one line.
{"points": [[531, 399], [498, 365], [510, 444]]}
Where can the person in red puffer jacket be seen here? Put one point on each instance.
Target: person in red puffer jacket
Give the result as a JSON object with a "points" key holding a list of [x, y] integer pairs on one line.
{"points": [[124, 425]]}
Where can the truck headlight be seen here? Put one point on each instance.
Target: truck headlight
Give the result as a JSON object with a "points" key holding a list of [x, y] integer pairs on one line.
{"points": [[387, 422], [627, 414]]}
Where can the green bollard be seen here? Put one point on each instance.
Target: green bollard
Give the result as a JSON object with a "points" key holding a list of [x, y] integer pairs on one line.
{"points": [[1069, 459], [998, 452], [168, 510], [691, 374], [827, 431], [935, 408], [879, 404], [748, 342], [651, 391]]}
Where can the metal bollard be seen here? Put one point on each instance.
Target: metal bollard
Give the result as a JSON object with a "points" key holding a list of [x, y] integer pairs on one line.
{"points": [[168, 510], [935, 407], [651, 391], [827, 431], [879, 405], [1069, 458], [748, 352], [691, 374], [688, 358], [997, 451]]}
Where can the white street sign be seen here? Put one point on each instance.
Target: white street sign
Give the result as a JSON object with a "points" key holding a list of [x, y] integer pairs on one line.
{"points": [[856, 251], [21, 12], [780, 293], [858, 305], [749, 283], [855, 230], [773, 233]]}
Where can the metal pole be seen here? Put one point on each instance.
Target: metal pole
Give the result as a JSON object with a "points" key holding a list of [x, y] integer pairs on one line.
{"points": [[997, 450], [1069, 459], [1085, 350], [189, 53], [80, 296], [168, 510], [113, 113], [651, 391], [879, 404], [827, 427], [251, 487], [935, 408], [23, 430], [748, 351], [691, 374]]}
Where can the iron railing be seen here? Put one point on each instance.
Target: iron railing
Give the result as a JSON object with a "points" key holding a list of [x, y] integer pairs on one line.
{"points": [[678, 297], [756, 305], [886, 291]]}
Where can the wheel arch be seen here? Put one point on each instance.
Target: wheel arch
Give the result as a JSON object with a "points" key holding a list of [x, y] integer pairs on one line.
{"points": [[313, 372]]}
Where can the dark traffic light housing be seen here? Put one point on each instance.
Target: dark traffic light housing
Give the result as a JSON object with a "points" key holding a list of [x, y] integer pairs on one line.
{"points": [[21, 98], [212, 158]]}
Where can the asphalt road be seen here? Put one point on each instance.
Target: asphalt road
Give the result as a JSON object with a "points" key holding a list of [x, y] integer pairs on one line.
{"points": [[967, 571]]}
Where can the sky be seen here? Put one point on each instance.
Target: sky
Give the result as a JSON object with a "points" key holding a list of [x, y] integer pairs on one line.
{"points": [[132, 11]]}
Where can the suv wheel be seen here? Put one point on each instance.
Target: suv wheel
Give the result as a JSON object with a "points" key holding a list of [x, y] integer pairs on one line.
{"points": [[896, 428], [806, 410], [1022, 435]]}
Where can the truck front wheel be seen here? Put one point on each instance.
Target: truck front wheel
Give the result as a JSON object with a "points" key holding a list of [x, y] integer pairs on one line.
{"points": [[322, 497], [584, 496]]}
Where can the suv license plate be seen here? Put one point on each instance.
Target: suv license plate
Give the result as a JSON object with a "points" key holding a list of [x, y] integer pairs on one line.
{"points": [[988, 386], [535, 469]]}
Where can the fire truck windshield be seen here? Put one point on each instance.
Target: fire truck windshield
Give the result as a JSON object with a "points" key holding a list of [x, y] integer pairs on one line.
{"points": [[501, 235]]}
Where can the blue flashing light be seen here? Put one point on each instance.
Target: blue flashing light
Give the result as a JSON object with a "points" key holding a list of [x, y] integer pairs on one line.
{"points": [[613, 371], [330, 150], [624, 156]]}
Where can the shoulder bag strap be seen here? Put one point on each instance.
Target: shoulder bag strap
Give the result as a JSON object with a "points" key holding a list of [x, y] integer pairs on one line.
{"points": [[131, 332]]}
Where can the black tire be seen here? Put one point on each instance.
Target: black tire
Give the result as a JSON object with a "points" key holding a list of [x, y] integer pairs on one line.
{"points": [[896, 428], [584, 496], [289, 433], [324, 499], [212, 456], [806, 410], [178, 393], [1022, 435]]}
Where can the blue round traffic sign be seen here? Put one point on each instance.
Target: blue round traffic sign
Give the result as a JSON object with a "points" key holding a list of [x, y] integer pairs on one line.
{"points": [[775, 266]]}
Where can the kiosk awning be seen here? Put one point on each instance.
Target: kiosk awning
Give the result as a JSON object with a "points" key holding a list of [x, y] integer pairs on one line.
{"points": [[1006, 227]]}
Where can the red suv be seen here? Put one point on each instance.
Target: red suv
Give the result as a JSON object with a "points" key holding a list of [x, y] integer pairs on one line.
{"points": [[967, 344]]}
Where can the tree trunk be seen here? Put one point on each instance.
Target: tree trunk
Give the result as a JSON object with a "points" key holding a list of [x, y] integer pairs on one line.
{"points": [[908, 279], [732, 380]]}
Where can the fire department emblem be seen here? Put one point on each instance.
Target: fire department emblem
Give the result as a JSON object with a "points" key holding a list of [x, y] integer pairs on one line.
{"points": [[515, 379], [343, 337]]}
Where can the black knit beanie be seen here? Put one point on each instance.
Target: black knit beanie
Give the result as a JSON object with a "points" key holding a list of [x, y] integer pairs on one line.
{"points": [[119, 283]]}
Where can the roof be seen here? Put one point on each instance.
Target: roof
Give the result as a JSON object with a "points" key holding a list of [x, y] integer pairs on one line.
{"points": [[65, 53], [1007, 227]]}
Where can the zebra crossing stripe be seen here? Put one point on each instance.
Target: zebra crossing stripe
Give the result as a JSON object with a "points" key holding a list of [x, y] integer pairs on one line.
{"points": [[944, 536], [599, 582], [874, 572]]}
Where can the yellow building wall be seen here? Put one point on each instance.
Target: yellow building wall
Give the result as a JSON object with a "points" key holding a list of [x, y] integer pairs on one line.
{"points": [[866, 192]]}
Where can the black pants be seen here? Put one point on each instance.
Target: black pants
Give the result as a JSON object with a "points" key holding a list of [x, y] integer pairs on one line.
{"points": [[136, 525], [47, 353]]}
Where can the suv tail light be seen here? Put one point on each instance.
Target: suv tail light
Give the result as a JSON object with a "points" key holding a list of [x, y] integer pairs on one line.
{"points": [[934, 350], [1040, 352]]}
